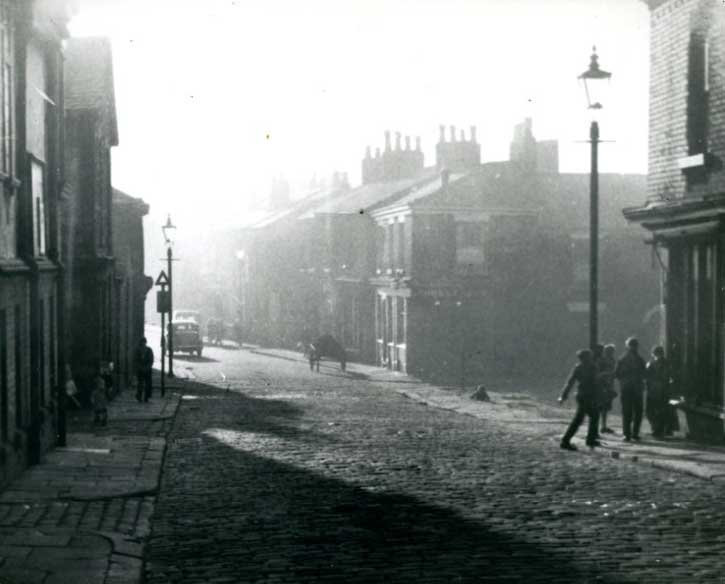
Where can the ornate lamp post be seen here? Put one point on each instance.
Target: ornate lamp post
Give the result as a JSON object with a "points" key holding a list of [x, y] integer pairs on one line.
{"points": [[169, 231], [594, 80]]}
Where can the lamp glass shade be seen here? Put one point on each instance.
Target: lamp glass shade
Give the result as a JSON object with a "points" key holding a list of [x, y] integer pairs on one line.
{"points": [[169, 230], [596, 82]]}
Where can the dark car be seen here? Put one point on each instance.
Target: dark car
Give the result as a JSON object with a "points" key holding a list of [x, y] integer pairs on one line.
{"points": [[186, 336]]}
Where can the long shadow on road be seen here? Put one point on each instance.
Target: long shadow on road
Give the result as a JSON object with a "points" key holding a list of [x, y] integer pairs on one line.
{"points": [[228, 508]]}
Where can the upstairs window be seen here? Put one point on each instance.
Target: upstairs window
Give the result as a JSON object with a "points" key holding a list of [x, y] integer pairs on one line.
{"points": [[698, 89], [39, 227], [470, 253], [7, 91]]}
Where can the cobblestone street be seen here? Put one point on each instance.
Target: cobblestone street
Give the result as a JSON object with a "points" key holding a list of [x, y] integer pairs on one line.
{"points": [[281, 475]]}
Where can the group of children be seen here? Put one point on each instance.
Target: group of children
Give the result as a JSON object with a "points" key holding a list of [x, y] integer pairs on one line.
{"points": [[595, 375]]}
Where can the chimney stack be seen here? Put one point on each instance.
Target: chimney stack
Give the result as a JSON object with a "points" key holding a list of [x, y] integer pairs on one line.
{"points": [[397, 140], [407, 142], [453, 133], [387, 140], [367, 152], [442, 137], [417, 143], [377, 152], [473, 133], [463, 135]]}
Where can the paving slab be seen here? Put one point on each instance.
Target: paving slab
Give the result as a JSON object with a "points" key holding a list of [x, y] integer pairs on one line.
{"points": [[82, 515]]}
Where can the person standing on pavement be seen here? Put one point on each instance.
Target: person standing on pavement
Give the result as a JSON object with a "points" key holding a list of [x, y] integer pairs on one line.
{"points": [[585, 375], [144, 364], [606, 386], [658, 381], [630, 372]]}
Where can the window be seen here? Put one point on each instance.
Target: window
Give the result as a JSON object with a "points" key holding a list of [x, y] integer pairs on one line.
{"points": [[399, 262], [39, 228], [7, 124], [470, 257], [698, 87]]}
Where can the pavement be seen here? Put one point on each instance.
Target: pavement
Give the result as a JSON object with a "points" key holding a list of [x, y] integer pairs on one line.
{"points": [[526, 413], [83, 514]]}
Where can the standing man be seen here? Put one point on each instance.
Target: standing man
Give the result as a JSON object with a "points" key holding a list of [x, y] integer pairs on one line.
{"points": [[585, 374], [144, 364], [630, 372]]}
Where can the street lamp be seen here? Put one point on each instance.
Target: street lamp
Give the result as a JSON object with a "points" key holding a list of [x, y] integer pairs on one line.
{"points": [[169, 231], [594, 80]]}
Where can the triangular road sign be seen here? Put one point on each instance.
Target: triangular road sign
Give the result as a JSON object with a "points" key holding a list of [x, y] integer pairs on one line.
{"points": [[163, 279]]}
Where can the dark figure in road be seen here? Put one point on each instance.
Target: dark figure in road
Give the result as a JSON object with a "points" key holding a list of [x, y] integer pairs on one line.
{"points": [[144, 364], [585, 375], [658, 383], [326, 346], [630, 372], [606, 386]]}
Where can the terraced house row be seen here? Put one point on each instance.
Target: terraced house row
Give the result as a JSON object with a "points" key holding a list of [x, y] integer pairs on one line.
{"points": [[459, 270], [60, 281]]}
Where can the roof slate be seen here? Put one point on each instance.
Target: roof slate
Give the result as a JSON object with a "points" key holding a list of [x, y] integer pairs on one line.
{"points": [[371, 196], [564, 197]]}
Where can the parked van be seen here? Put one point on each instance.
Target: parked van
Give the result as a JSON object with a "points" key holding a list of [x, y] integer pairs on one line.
{"points": [[186, 335], [186, 314]]}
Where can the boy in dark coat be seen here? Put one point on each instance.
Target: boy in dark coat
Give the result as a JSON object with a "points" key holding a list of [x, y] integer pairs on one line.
{"points": [[630, 372], [587, 402], [144, 364]]}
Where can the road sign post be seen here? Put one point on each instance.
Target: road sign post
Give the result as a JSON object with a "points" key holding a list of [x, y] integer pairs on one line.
{"points": [[163, 305]]}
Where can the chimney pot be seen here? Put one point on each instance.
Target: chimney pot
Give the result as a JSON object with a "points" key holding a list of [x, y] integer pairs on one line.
{"points": [[407, 142], [417, 143], [367, 152], [473, 133], [397, 140], [442, 137], [463, 135], [387, 140], [377, 152], [453, 133]]}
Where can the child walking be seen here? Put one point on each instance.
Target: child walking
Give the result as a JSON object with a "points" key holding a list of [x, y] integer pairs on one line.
{"points": [[99, 398]]}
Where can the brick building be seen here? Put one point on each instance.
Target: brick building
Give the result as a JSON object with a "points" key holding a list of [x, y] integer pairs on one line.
{"points": [[686, 198], [88, 241], [31, 33]]}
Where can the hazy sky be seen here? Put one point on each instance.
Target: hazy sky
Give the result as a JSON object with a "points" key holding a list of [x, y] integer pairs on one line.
{"points": [[215, 97]]}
